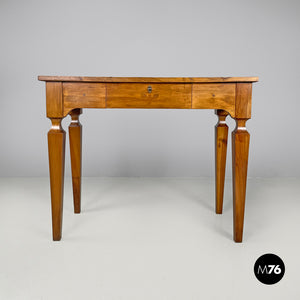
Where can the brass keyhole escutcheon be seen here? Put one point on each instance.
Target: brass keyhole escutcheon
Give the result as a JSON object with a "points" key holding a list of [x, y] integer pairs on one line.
{"points": [[149, 89]]}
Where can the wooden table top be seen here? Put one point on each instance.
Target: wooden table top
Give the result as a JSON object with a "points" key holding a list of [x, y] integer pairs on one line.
{"points": [[148, 79]]}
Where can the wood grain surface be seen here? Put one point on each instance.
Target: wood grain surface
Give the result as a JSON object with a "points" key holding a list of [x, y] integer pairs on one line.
{"points": [[75, 138], [240, 149], [147, 79], [54, 100], [154, 95], [221, 136], [56, 151], [83, 95], [214, 96]]}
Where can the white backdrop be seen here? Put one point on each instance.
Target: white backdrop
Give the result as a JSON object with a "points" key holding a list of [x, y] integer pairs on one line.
{"points": [[150, 38]]}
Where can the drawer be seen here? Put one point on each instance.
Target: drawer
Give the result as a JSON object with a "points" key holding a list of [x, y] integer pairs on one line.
{"points": [[84, 95], [214, 96], [152, 95]]}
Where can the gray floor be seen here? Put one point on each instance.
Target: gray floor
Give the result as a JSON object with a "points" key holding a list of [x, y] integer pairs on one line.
{"points": [[146, 238]]}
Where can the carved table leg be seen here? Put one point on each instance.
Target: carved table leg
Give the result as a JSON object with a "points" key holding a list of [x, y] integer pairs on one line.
{"points": [[56, 149], [221, 134], [240, 149], [75, 133]]}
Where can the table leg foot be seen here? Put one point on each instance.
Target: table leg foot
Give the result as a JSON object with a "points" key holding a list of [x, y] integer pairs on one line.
{"points": [[56, 150], [221, 135], [240, 150]]}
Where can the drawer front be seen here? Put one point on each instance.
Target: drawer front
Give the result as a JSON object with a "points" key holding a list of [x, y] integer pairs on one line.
{"points": [[214, 96], [152, 95], [84, 95]]}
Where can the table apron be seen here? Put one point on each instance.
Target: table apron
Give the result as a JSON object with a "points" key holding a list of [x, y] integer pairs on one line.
{"points": [[222, 96]]}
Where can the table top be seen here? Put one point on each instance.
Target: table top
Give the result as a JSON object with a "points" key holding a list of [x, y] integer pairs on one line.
{"points": [[148, 79]]}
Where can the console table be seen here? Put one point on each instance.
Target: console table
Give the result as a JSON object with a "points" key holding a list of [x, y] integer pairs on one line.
{"points": [[226, 95]]}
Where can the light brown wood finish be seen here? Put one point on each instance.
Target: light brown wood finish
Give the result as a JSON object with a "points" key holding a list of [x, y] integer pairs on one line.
{"points": [[54, 99], [243, 100], [152, 95], [240, 149], [56, 150], [227, 95], [83, 95], [75, 136], [221, 135], [214, 96], [148, 79]]}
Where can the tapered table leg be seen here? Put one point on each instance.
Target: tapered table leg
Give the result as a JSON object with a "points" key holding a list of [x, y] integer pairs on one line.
{"points": [[221, 135], [56, 149], [240, 149], [75, 133]]}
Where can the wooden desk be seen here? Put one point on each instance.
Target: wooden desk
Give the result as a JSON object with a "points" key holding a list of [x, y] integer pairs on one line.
{"points": [[226, 95]]}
